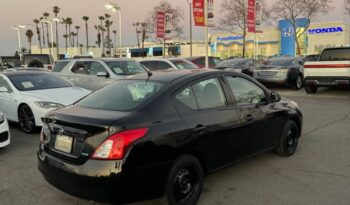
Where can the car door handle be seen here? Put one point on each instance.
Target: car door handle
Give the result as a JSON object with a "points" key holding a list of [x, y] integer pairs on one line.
{"points": [[249, 118]]}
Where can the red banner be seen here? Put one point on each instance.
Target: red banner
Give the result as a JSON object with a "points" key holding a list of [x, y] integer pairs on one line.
{"points": [[160, 24], [198, 12], [251, 16]]}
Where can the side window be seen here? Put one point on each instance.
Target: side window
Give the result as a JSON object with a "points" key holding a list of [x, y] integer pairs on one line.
{"points": [[82, 67], [3, 83], [245, 92], [199, 61], [96, 67], [209, 94], [187, 98]]}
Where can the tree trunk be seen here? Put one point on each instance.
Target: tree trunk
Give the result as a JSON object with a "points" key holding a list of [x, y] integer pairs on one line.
{"points": [[66, 38], [244, 43], [70, 36], [87, 37], [39, 38], [109, 39], [30, 47], [77, 38], [47, 35], [43, 29], [57, 44]]}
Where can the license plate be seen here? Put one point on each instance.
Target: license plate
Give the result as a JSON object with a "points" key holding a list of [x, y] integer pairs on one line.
{"points": [[64, 143]]}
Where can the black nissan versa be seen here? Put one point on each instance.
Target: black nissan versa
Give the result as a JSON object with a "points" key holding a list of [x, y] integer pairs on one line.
{"points": [[158, 135]]}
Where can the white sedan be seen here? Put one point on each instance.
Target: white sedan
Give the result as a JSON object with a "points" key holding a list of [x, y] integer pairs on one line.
{"points": [[4, 131], [26, 96]]}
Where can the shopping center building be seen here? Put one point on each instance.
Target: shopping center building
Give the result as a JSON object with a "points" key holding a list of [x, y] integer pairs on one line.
{"points": [[279, 40]]}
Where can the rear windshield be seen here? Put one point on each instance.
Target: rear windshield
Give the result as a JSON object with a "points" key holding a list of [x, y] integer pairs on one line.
{"points": [[45, 59], [232, 63], [123, 95], [182, 64], [279, 62], [42, 81], [335, 55], [125, 67], [58, 67]]}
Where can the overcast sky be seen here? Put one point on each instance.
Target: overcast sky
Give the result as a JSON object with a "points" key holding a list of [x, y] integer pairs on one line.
{"points": [[14, 12]]}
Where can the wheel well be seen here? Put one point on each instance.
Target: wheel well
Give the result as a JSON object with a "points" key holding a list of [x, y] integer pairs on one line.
{"points": [[297, 121], [201, 160], [20, 105]]}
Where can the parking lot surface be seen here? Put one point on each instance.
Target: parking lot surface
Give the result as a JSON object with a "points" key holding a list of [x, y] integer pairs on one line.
{"points": [[319, 172]]}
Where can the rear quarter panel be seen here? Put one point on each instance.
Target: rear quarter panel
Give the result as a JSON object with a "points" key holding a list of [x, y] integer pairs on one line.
{"points": [[327, 69]]}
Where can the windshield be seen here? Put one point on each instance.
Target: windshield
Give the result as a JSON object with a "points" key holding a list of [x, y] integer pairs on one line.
{"points": [[182, 64], [125, 67], [232, 63], [279, 62], [45, 59], [37, 81], [121, 96]]}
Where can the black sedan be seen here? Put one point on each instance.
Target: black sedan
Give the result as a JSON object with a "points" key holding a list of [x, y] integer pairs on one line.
{"points": [[243, 65], [158, 135], [282, 71]]}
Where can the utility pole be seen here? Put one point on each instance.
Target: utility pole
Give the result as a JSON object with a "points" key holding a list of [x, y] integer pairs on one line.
{"points": [[190, 5]]}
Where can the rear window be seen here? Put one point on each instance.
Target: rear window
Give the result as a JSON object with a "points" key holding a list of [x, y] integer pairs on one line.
{"points": [[58, 67], [335, 55], [45, 59], [125, 67], [42, 81], [182, 65], [123, 95], [156, 65]]}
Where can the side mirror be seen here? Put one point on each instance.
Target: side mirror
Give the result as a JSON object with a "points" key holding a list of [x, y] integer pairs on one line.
{"points": [[4, 90], [275, 97], [102, 74]]}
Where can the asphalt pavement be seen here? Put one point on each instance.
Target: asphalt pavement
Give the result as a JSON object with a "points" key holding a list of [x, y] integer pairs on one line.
{"points": [[319, 172]]}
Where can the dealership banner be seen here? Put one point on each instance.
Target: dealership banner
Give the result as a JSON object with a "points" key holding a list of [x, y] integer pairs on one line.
{"points": [[198, 12], [259, 11], [210, 9], [160, 24], [251, 16]]}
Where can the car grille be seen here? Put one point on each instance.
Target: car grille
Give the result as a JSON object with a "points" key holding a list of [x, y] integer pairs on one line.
{"points": [[4, 136]]}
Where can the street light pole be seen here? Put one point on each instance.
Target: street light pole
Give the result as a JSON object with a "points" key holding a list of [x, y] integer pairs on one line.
{"points": [[206, 33], [51, 35], [190, 5], [114, 7], [18, 27]]}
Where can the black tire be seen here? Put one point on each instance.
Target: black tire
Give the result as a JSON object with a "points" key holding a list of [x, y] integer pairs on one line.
{"points": [[185, 182], [289, 139], [298, 84], [35, 64], [26, 119], [309, 89]]}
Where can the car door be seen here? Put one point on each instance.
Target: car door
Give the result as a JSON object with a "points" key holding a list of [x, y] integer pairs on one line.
{"points": [[261, 122], [95, 82], [211, 120], [8, 103], [80, 74]]}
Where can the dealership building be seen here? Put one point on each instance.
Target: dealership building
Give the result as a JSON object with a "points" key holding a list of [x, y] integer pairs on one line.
{"points": [[275, 40]]}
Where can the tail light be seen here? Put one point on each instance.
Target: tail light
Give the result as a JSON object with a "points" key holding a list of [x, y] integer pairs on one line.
{"points": [[114, 147], [49, 67]]}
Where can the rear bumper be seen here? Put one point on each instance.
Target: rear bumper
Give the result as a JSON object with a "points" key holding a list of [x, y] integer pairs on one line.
{"points": [[104, 181], [280, 80], [327, 81]]}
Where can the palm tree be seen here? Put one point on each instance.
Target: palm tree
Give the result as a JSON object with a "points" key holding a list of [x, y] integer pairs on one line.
{"points": [[42, 28], [115, 42], [98, 42], [77, 27], [36, 21], [64, 21], [65, 36], [46, 15], [56, 10], [73, 36], [108, 24], [86, 19], [29, 34], [69, 23], [102, 18]]}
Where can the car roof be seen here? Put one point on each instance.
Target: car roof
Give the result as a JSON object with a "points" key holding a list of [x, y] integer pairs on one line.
{"points": [[22, 71], [96, 59], [172, 75]]}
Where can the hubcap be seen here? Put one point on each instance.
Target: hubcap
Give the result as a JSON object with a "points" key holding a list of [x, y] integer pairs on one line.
{"points": [[26, 119], [291, 141], [299, 83], [185, 184]]}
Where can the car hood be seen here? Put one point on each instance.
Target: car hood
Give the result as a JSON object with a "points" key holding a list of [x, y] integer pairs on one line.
{"points": [[65, 96]]}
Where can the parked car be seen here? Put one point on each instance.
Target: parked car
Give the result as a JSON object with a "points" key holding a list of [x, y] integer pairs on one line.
{"points": [[332, 70], [282, 71], [150, 135], [26, 96], [165, 64], [93, 74], [314, 57], [9, 62], [243, 65], [4, 131], [38, 60], [200, 61]]}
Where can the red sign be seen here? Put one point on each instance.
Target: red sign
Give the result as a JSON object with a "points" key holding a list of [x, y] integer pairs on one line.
{"points": [[198, 12], [251, 16], [160, 24]]}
